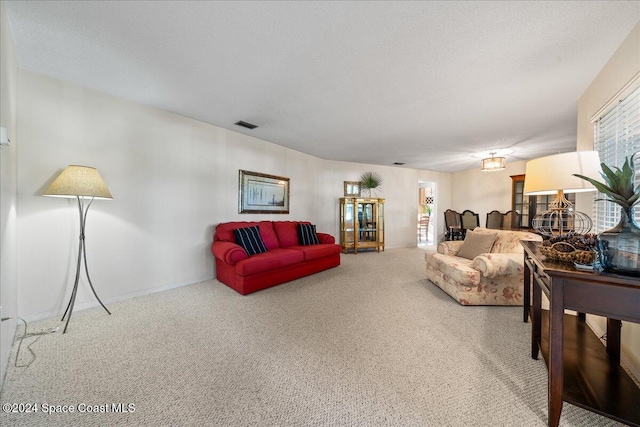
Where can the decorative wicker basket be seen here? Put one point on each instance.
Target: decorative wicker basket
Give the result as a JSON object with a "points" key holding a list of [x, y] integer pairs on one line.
{"points": [[574, 255]]}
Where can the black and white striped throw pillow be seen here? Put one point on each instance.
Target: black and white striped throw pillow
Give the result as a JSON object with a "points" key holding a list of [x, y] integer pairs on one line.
{"points": [[250, 240], [307, 234]]}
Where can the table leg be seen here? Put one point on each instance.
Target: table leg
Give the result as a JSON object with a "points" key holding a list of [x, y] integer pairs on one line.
{"points": [[536, 321], [556, 352], [527, 290], [613, 339]]}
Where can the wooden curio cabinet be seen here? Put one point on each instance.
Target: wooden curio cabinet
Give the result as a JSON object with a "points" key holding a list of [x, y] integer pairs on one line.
{"points": [[361, 224]]}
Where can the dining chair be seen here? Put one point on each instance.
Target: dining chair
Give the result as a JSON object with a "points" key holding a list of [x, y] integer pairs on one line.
{"points": [[470, 220], [453, 224], [511, 220], [423, 227], [494, 219]]}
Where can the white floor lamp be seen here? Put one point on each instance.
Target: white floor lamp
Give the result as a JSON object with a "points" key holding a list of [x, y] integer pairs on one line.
{"points": [[85, 184]]}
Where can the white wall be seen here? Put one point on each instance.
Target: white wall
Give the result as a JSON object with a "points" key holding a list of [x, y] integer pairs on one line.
{"points": [[8, 190], [621, 69], [399, 188], [483, 192], [173, 179], [443, 192]]}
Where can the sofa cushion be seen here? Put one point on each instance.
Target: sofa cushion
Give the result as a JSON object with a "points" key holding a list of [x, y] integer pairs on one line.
{"points": [[267, 261], [476, 243], [318, 251], [224, 232], [250, 240], [508, 241], [498, 265], [307, 234], [450, 247], [453, 269], [268, 235], [287, 232]]}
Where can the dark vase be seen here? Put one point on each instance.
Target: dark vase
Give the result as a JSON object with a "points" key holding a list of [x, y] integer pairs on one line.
{"points": [[619, 247]]}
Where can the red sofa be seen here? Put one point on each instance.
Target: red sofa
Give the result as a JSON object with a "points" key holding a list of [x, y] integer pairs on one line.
{"points": [[284, 260]]}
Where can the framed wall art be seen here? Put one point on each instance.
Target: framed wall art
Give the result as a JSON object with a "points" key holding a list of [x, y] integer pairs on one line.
{"points": [[262, 193], [352, 189]]}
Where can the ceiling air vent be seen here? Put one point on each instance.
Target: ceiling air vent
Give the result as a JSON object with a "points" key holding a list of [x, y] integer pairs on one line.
{"points": [[245, 124]]}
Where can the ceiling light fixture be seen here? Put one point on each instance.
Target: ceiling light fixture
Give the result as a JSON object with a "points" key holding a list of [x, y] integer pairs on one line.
{"points": [[492, 164]]}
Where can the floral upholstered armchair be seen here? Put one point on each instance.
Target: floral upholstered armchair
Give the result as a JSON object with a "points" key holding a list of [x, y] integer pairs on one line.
{"points": [[487, 268]]}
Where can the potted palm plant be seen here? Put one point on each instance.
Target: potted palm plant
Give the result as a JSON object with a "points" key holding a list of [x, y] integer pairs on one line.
{"points": [[370, 181], [619, 247]]}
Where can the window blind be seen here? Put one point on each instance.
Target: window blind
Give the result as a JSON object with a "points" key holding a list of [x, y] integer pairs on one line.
{"points": [[617, 135]]}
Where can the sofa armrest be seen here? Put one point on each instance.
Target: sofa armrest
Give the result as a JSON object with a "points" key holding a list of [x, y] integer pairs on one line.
{"points": [[496, 265], [326, 238], [228, 252], [450, 247]]}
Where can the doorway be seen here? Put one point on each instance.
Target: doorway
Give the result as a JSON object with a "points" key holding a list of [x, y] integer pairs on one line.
{"points": [[425, 220]]}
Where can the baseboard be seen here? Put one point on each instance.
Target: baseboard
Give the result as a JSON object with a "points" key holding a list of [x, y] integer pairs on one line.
{"points": [[107, 301], [623, 357]]}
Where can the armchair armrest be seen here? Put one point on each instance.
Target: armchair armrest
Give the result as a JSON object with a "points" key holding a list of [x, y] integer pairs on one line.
{"points": [[499, 264], [326, 238], [228, 252], [450, 247]]}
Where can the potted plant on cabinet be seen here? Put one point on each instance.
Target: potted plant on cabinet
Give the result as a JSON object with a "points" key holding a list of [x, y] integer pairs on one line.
{"points": [[370, 181]]}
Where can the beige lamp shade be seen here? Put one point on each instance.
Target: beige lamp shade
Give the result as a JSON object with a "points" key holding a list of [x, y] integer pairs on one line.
{"points": [[78, 181], [547, 175]]}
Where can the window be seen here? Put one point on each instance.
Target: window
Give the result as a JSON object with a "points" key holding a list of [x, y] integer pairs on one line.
{"points": [[616, 136]]}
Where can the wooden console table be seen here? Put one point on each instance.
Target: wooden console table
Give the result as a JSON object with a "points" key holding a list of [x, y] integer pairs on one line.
{"points": [[581, 371]]}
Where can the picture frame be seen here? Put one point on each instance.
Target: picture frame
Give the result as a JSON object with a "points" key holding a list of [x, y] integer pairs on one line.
{"points": [[262, 193], [352, 189]]}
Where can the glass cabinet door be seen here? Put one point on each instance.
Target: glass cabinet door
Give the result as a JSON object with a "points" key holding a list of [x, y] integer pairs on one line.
{"points": [[367, 231], [347, 223], [380, 224], [361, 223]]}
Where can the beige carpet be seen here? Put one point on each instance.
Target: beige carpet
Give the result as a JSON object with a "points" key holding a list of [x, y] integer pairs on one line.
{"points": [[370, 343]]}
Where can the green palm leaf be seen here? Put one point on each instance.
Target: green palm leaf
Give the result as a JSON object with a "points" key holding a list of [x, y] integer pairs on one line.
{"points": [[618, 185], [371, 180]]}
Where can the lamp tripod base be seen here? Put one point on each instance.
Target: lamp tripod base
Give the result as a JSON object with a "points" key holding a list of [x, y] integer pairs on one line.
{"points": [[82, 255]]}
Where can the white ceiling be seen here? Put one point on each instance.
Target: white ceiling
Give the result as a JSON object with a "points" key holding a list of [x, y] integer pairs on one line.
{"points": [[425, 83]]}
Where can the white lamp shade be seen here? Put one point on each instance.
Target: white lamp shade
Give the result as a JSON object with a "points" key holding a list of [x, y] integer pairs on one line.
{"points": [[547, 175], [79, 181]]}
